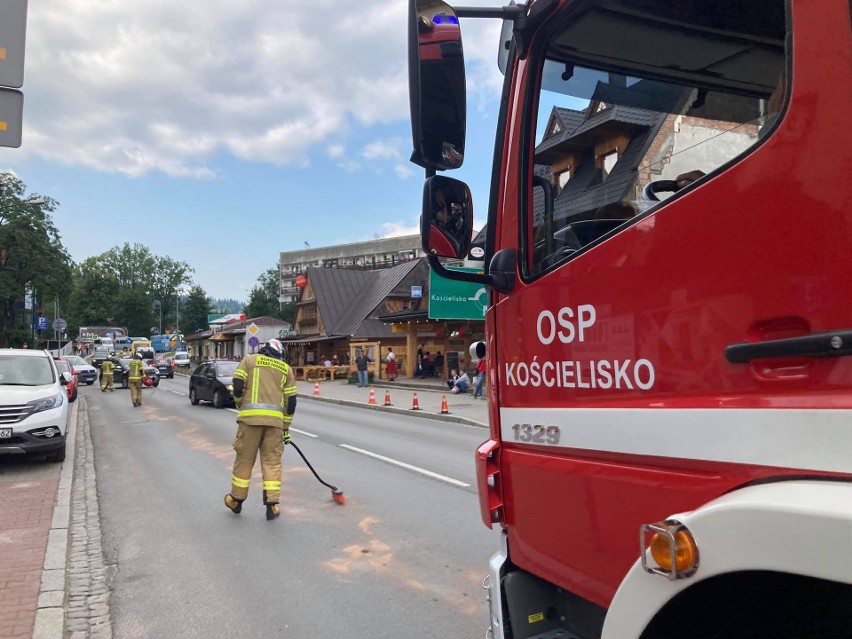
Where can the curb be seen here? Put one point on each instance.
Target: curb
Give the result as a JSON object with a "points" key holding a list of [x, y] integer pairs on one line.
{"points": [[454, 419], [50, 612]]}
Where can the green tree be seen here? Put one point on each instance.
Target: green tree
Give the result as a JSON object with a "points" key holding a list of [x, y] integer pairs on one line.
{"points": [[263, 298], [167, 277], [32, 257], [193, 312]]}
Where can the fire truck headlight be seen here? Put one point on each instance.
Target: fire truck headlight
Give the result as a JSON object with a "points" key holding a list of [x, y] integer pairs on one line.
{"points": [[671, 546]]}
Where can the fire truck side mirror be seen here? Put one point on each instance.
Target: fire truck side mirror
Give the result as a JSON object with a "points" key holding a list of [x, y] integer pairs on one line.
{"points": [[436, 85], [446, 225]]}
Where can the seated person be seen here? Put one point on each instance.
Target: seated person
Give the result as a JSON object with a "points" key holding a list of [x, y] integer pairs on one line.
{"points": [[458, 383]]}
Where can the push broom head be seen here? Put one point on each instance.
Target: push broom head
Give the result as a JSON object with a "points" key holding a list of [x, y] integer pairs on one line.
{"points": [[338, 496]]}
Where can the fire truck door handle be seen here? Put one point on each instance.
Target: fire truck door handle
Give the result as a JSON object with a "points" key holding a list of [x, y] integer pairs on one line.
{"points": [[828, 344]]}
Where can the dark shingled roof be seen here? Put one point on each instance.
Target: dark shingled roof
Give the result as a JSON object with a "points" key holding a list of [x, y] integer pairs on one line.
{"points": [[346, 298], [383, 284], [337, 291]]}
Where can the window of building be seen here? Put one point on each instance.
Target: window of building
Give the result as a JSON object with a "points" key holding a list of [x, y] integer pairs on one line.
{"points": [[684, 90]]}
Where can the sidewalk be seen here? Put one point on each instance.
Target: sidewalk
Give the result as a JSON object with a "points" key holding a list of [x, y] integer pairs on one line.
{"points": [[463, 408], [34, 542]]}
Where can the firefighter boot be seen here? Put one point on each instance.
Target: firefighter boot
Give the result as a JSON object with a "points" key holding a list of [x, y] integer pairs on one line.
{"points": [[272, 511], [265, 500], [236, 505]]}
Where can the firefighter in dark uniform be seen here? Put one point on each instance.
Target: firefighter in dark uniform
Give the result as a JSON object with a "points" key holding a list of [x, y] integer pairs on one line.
{"points": [[265, 395], [135, 374]]}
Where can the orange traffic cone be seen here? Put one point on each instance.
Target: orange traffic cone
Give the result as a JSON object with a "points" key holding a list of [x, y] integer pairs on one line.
{"points": [[372, 399], [445, 410], [415, 405], [387, 398], [316, 389]]}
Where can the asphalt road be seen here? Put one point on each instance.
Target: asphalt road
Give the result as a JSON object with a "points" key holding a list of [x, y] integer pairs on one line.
{"points": [[404, 557]]}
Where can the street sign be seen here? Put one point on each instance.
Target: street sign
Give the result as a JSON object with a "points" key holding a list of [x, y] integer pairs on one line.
{"points": [[253, 341], [59, 324], [41, 323], [454, 299], [13, 35], [416, 292], [252, 329], [11, 117]]}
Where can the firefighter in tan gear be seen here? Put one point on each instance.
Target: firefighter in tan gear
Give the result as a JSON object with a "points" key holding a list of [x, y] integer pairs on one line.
{"points": [[134, 379], [107, 370], [265, 395]]}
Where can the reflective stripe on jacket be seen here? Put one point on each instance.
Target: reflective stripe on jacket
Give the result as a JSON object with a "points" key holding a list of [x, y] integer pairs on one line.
{"points": [[269, 382], [137, 368]]}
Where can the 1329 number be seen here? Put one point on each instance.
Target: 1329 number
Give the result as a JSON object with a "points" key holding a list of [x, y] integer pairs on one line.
{"points": [[536, 433]]}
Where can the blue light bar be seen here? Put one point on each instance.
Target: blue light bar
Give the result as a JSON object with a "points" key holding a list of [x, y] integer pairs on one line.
{"points": [[443, 18]]}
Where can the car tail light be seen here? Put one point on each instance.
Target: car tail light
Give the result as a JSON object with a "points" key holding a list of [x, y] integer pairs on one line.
{"points": [[488, 481]]}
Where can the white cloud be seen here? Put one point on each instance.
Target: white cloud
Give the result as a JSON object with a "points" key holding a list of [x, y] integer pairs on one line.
{"points": [[162, 86], [397, 229], [157, 86], [336, 150]]}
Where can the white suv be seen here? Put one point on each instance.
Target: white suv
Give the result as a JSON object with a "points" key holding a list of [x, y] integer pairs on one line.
{"points": [[33, 404]]}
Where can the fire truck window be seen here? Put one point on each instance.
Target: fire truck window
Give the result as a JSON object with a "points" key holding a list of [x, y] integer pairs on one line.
{"points": [[634, 92]]}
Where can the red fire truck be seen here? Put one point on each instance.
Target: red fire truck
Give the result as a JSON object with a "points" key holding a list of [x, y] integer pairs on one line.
{"points": [[669, 260]]}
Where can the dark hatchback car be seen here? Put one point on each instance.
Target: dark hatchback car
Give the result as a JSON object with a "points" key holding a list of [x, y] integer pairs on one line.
{"points": [[122, 367], [166, 368], [213, 381]]}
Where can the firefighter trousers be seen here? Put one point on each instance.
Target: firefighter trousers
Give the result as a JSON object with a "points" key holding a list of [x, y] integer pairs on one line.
{"points": [[106, 383], [135, 391], [250, 440]]}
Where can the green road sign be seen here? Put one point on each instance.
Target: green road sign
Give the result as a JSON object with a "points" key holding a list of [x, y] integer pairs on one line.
{"points": [[452, 299]]}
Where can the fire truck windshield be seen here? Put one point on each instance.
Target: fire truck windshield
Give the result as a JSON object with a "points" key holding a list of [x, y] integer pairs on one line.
{"points": [[624, 122]]}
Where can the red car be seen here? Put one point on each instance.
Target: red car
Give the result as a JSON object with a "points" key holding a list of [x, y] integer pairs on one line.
{"points": [[65, 367]]}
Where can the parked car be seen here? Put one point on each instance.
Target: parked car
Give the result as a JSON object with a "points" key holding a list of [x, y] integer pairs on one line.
{"points": [[122, 370], [33, 404], [213, 381], [64, 366], [181, 359], [100, 355], [166, 367], [86, 372]]}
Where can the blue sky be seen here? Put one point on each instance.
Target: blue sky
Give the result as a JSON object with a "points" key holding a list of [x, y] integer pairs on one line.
{"points": [[222, 133]]}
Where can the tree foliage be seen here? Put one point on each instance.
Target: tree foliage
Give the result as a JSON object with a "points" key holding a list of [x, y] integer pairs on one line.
{"points": [[194, 311], [32, 257], [124, 286], [263, 298]]}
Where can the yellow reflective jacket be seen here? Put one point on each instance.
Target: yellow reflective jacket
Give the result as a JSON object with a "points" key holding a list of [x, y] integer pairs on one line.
{"points": [[137, 370], [269, 383], [107, 367]]}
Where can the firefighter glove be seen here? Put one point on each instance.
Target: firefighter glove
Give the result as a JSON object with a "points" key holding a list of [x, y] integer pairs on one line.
{"points": [[286, 436]]}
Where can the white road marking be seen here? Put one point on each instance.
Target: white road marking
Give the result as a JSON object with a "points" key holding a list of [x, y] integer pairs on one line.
{"points": [[174, 391], [423, 471], [302, 432]]}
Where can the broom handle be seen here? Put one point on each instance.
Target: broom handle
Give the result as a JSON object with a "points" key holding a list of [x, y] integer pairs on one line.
{"points": [[305, 459]]}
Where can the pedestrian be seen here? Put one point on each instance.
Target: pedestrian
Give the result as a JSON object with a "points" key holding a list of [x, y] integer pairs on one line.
{"points": [[361, 363], [439, 365], [107, 371], [135, 374], [459, 383], [26, 345], [480, 379], [265, 396], [391, 359]]}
